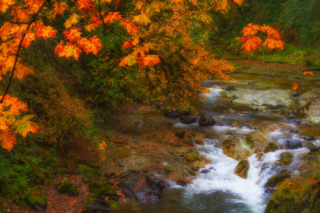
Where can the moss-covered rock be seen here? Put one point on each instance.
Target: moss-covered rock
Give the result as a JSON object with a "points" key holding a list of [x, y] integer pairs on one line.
{"points": [[238, 146], [88, 172], [270, 147], [192, 156], [275, 180], [286, 158], [292, 195], [37, 199], [66, 186], [242, 169], [101, 188]]}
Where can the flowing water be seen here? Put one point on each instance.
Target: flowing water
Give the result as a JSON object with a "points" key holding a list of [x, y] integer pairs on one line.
{"points": [[221, 190]]}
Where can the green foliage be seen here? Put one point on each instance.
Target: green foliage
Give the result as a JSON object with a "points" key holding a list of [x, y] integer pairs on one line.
{"points": [[36, 197], [66, 186]]}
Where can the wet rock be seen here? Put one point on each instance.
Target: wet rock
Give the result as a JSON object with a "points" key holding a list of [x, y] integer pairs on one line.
{"points": [[286, 158], [204, 171], [238, 146], [189, 141], [196, 165], [231, 111], [180, 134], [295, 95], [206, 120], [308, 144], [175, 113], [294, 196], [291, 116], [188, 119], [199, 141], [182, 182], [315, 149], [260, 99], [242, 169], [275, 180], [230, 88], [246, 125], [97, 208], [308, 138], [293, 144], [150, 187], [312, 112]]}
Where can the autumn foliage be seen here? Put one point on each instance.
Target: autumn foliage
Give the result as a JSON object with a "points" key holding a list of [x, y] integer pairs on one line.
{"points": [[252, 41], [158, 46]]}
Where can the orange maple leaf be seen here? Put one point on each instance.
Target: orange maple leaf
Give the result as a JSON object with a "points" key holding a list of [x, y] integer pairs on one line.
{"points": [[250, 29], [308, 73], [92, 45], [5, 4], [128, 60], [128, 44], [15, 105], [295, 86], [73, 34], [8, 139], [251, 43], [129, 26], [111, 17], [273, 43], [59, 8], [148, 60], [312, 181], [72, 50], [143, 18], [45, 31]]}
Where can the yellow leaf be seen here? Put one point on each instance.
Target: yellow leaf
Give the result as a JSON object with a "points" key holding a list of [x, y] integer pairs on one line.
{"points": [[139, 4], [143, 18], [71, 21]]}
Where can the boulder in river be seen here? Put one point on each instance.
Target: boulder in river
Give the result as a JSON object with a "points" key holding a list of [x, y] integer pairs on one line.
{"points": [[275, 180], [260, 98], [286, 158], [175, 113], [188, 119], [293, 144], [206, 120], [230, 88], [238, 146], [242, 169]]}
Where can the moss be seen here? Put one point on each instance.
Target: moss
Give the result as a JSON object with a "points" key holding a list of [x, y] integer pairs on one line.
{"points": [[66, 186], [286, 161], [168, 168], [291, 194], [88, 172], [36, 197], [270, 147], [91, 198], [101, 188], [192, 156]]}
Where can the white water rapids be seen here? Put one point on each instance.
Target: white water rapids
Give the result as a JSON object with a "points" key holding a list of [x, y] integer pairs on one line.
{"points": [[250, 191]]}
